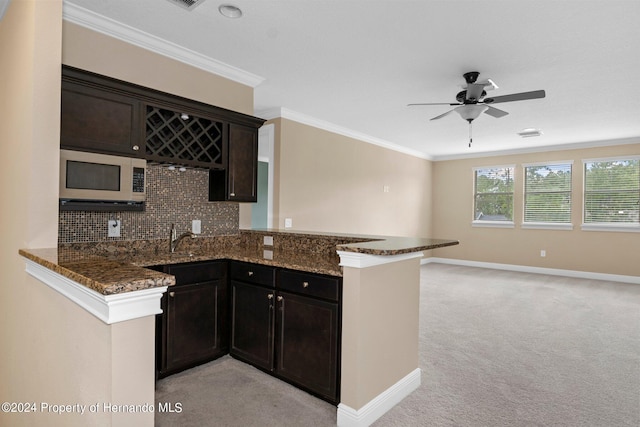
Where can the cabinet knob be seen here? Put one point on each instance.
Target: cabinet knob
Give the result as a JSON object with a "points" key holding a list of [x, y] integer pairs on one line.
{"points": [[270, 296], [305, 284], [280, 298], [172, 294], [232, 195], [250, 273], [135, 148]]}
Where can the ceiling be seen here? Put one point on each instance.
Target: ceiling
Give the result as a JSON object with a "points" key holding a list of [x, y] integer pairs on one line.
{"points": [[352, 66]]}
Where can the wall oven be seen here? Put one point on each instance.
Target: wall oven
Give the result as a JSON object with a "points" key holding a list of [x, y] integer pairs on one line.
{"points": [[101, 182]]}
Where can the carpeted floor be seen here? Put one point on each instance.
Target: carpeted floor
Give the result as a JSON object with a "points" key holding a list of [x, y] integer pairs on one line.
{"points": [[497, 348]]}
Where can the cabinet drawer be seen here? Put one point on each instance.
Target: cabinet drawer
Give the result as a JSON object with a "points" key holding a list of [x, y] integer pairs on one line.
{"points": [[253, 273], [310, 284], [197, 272]]}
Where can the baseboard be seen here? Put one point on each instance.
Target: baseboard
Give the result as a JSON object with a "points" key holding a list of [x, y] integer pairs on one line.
{"points": [[365, 416], [537, 270]]}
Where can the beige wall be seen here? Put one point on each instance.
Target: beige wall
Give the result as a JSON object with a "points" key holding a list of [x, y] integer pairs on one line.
{"points": [[380, 318], [92, 51], [590, 251], [329, 182]]}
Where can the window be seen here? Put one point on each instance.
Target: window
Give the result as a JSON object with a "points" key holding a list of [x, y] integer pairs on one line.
{"points": [[547, 195], [493, 196], [612, 194]]}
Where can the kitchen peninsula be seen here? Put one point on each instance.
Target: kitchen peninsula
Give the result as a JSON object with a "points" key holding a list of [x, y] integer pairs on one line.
{"points": [[380, 301]]}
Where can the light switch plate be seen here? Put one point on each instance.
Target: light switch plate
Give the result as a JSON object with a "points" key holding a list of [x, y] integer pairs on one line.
{"points": [[113, 227], [196, 226], [268, 240]]}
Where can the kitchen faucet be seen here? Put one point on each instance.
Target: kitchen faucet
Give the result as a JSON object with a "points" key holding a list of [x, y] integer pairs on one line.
{"points": [[174, 239]]}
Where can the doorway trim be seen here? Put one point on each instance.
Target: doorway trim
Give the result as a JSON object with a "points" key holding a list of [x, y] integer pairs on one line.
{"points": [[266, 136]]}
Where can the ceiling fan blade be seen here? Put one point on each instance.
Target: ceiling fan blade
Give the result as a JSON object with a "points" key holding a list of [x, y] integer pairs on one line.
{"points": [[442, 115], [433, 103], [494, 112], [515, 97]]}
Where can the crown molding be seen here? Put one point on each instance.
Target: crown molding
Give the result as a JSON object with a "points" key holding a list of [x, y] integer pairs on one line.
{"points": [[96, 22], [273, 113], [541, 149]]}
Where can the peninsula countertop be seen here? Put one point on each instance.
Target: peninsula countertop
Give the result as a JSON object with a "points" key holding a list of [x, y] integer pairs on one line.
{"points": [[112, 272]]}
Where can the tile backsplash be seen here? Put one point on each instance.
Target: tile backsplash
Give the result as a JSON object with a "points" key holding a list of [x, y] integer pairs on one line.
{"points": [[172, 197]]}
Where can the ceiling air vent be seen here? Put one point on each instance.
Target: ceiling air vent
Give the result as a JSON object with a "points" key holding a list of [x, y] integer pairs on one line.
{"points": [[187, 4], [529, 132]]}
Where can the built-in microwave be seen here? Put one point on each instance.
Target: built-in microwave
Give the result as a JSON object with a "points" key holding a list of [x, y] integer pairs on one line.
{"points": [[101, 182]]}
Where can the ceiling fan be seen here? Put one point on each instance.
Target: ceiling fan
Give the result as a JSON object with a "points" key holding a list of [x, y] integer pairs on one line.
{"points": [[472, 101]]}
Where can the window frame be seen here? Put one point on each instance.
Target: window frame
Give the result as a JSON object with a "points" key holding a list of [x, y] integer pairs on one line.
{"points": [[492, 224], [605, 226], [542, 225]]}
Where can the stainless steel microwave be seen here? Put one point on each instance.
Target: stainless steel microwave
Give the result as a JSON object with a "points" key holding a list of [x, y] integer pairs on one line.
{"points": [[91, 181]]}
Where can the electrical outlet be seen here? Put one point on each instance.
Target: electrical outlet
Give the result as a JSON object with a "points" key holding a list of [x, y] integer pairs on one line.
{"points": [[113, 227], [543, 253], [288, 223], [268, 240], [385, 188], [196, 226]]}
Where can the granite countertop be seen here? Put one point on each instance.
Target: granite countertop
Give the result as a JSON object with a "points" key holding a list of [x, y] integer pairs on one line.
{"points": [[112, 272]]}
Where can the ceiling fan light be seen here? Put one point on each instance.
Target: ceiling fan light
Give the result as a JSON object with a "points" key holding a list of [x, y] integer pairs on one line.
{"points": [[470, 112]]}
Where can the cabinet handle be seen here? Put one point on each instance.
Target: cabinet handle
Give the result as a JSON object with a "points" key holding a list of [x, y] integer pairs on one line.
{"points": [[233, 186], [305, 284], [172, 294], [135, 148], [280, 298], [250, 273]]}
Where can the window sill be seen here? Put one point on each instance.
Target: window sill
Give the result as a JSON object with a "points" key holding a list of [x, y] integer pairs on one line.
{"points": [[493, 224], [625, 228], [546, 226]]}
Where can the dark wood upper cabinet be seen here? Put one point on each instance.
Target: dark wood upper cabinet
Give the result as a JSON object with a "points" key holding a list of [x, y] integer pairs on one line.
{"points": [[239, 180], [106, 115], [98, 120]]}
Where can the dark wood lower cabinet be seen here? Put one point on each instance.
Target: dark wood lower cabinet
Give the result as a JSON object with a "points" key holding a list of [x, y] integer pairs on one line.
{"points": [[285, 322], [252, 324], [194, 326], [307, 343], [193, 313]]}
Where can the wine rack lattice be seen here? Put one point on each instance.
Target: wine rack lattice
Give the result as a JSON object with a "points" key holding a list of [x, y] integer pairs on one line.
{"points": [[193, 139]]}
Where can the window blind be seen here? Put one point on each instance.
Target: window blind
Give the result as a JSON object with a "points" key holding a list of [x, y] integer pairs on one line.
{"points": [[612, 191], [493, 194], [547, 193]]}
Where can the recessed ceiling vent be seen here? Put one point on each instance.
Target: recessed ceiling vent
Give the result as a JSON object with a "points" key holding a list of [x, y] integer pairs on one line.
{"points": [[530, 132], [187, 4]]}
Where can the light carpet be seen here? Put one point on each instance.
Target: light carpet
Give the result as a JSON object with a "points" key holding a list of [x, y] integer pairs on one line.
{"points": [[497, 348]]}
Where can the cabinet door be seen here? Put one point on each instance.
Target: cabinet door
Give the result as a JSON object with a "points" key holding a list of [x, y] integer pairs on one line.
{"points": [[196, 324], [243, 163], [252, 324], [98, 120], [307, 341]]}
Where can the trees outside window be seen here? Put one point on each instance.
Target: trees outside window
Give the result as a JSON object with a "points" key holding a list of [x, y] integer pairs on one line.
{"points": [[547, 193], [612, 191], [493, 189]]}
